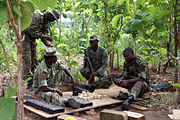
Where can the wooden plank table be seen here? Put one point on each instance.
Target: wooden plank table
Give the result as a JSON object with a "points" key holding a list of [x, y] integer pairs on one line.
{"points": [[105, 101]]}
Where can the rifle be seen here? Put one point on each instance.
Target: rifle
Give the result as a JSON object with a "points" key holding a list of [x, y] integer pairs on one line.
{"points": [[91, 79]]}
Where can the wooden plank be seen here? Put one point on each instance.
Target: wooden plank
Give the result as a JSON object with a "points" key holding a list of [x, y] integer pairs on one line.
{"points": [[176, 114], [96, 103], [138, 107], [134, 115]]}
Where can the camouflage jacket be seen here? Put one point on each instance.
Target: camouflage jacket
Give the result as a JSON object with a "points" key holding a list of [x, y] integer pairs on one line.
{"points": [[98, 59], [44, 76], [136, 68], [38, 28]]}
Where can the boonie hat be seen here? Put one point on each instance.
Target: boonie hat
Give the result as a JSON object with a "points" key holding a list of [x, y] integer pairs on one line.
{"points": [[51, 51]]}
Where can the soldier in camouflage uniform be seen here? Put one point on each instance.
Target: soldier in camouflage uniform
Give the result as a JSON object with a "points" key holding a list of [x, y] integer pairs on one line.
{"points": [[95, 61], [48, 75], [38, 29], [135, 77]]}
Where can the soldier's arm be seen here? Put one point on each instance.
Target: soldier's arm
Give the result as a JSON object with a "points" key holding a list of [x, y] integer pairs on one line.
{"points": [[142, 70], [70, 75], [49, 89], [103, 68]]}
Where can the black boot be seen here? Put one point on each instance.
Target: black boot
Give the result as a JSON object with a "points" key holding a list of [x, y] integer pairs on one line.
{"points": [[76, 91], [126, 104], [90, 87]]}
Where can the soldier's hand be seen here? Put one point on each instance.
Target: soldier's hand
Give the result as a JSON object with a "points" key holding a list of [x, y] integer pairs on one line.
{"points": [[58, 91], [119, 81], [94, 74], [114, 75], [86, 59], [45, 37], [124, 83], [50, 45]]}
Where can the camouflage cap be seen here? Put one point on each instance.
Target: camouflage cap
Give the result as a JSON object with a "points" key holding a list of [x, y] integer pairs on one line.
{"points": [[93, 38], [51, 51]]}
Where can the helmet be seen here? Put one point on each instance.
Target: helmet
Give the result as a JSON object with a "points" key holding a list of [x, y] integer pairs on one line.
{"points": [[56, 14]]}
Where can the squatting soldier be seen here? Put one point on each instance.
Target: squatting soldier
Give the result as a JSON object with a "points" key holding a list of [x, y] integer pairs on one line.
{"points": [[48, 75], [38, 29], [95, 61], [135, 77]]}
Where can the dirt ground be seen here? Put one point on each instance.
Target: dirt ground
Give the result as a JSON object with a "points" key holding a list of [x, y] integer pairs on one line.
{"points": [[158, 107]]}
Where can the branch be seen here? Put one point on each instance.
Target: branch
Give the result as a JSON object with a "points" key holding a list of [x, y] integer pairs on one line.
{"points": [[13, 22]]}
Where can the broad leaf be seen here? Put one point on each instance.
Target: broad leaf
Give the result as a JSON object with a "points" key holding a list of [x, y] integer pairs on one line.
{"points": [[27, 11], [4, 13], [136, 25], [15, 8], [159, 24], [10, 91], [115, 20], [7, 108], [44, 4], [149, 19]]}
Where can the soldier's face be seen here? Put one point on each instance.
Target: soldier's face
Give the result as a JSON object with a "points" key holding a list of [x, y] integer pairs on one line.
{"points": [[94, 44], [128, 56], [50, 17], [52, 59]]}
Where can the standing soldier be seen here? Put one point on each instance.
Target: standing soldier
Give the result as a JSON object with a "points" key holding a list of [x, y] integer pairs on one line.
{"points": [[95, 60], [135, 77], [38, 29]]}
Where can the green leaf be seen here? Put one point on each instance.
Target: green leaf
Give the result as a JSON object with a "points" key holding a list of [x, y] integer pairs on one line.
{"points": [[4, 13], [159, 24], [10, 91], [136, 25], [27, 10], [176, 85], [44, 4], [7, 108], [149, 19], [116, 20], [127, 30], [61, 45], [17, 11]]}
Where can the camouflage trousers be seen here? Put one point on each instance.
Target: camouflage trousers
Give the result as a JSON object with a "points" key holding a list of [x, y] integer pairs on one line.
{"points": [[85, 71], [61, 79], [135, 89], [29, 56]]}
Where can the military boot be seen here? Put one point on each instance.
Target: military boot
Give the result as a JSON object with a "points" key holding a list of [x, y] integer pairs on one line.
{"points": [[90, 87], [76, 91], [126, 104], [75, 103]]}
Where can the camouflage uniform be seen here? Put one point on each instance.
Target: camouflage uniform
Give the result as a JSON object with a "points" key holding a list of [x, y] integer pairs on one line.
{"points": [[136, 68], [99, 62], [50, 77], [37, 29]]}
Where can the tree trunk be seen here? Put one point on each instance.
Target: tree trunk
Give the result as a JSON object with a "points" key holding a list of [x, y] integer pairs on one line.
{"points": [[20, 111], [117, 60], [175, 42]]}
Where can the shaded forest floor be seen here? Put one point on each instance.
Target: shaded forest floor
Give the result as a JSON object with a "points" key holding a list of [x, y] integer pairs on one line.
{"points": [[159, 104]]}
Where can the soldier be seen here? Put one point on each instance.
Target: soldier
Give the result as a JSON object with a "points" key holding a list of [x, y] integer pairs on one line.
{"points": [[135, 77], [48, 76], [95, 60], [38, 29]]}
